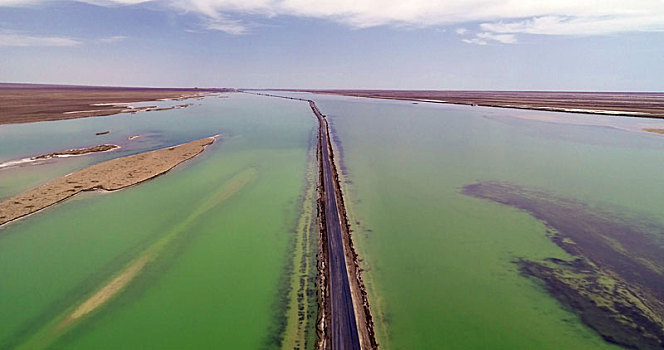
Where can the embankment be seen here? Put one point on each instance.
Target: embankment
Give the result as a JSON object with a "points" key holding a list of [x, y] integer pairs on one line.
{"points": [[344, 320]]}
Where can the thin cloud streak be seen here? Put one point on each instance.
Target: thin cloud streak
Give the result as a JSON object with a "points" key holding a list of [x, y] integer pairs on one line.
{"points": [[222, 24], [113, 39], [557, 25], [461, 31], [13, 39]]}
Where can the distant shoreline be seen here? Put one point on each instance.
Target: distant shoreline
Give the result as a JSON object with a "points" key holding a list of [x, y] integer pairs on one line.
{"points": [[28, 103], [627, 104]]}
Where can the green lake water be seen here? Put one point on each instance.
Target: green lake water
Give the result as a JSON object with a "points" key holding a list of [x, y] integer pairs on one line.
{"points": [[219, 229], [439, 265]]}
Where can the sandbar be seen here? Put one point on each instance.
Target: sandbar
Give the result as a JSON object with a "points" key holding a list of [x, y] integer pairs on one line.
{"points": [[110, 175], [79, 151]]}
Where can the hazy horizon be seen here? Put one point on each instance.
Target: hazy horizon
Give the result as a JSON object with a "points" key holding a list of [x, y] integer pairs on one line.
{"points": [[584, 45], [302, 89]]}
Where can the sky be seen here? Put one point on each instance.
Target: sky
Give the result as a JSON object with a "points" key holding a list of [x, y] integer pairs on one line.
{"points": [[598, 45]]}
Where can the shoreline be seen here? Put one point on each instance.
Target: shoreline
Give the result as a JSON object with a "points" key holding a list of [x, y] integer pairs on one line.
{"points": [[358, 288], [24, 103], [608, 113], [111, 175], [301, 308], [359, 299], [624, 104]]}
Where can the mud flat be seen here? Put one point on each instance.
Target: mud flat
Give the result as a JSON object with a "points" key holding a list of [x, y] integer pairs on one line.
{"points": [[26, 103], [111, 175], [615, 283], [635, 104]]}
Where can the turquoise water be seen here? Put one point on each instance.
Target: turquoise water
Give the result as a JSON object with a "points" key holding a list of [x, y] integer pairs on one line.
{"points": [[156, 130], [439, 265], [218, 230]]}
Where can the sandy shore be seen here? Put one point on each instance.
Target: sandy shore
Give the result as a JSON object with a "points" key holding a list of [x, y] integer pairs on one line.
{"points": [[111, 175]]}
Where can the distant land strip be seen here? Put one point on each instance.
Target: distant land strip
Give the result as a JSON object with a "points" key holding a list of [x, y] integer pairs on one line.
{"points": [[27, 103], [633, 104], [110, 175]]}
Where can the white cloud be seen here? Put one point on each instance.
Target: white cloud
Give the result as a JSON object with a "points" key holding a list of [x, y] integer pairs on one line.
{"points": [[225, 25], [18, 3], [476, 41], [113, 2], [486, 37], [565, 25], [112, 39], [503, 38], [14, 39], [559, 17], [461, 31]]}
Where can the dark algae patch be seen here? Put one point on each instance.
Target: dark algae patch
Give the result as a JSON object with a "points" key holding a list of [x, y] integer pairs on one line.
{"points": [[615, 281]]}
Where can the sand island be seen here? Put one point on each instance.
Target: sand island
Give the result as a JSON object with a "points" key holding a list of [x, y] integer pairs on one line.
{"points": [[110, 175]]}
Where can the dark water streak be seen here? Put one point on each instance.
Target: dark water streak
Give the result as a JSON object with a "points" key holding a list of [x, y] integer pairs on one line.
{"points": [[615, 283]]}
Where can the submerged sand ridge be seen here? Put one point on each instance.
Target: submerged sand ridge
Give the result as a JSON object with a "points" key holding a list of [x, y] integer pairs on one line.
{"points": [[118, 282], [111, 175]]}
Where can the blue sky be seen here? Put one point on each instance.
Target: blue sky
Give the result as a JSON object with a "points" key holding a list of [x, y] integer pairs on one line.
{"points": [[456, 44]]}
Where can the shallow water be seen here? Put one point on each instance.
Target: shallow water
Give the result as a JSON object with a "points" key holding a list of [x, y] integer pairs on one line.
{"points": [[440, 265], [218, 275]]}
